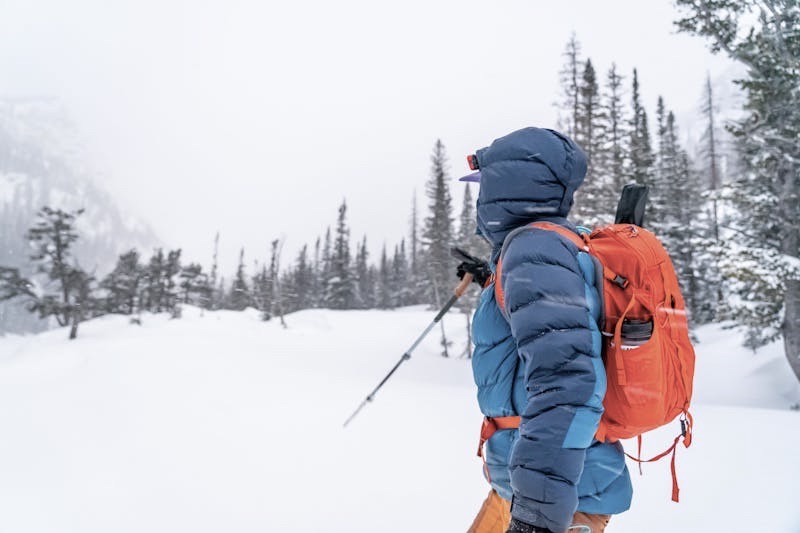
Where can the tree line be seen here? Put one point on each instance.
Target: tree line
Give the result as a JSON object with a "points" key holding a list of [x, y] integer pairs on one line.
{"points": [[325, 275], [730, 225]]}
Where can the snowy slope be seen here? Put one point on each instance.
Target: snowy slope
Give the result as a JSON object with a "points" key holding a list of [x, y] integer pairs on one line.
{"points": [[220, 422]]}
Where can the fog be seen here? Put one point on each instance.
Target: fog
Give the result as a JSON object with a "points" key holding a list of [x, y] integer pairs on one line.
{"points": [[256, 119]]}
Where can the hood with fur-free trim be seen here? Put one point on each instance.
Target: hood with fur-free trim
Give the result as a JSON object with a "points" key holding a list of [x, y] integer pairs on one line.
{"points": [[528, 175]]}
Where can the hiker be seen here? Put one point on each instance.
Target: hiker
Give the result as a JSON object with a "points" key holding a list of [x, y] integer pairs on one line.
{"points": [[537, 359]]}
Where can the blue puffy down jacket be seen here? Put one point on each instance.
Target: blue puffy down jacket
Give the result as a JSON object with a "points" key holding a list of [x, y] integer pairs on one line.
{"points": [[540, 357]]}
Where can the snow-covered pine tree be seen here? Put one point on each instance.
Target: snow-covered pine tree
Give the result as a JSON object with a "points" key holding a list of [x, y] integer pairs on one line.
{"points": [[53, 237], [402, 280], [661, 178], [66, 292], [262, 293], [325, 269], [640, 150], [286, 282], [221, 291], [711, 154], [341, 288], [122, 285], [763, 259], [710, 250], [366, 292], [159, 288], [593, 201], [383, 287], [569, 78], [615, 127], [275, 278], [171, 271], [215, 297], [437, 233], [193, 285], [315, 298], [240, 297], [677, 202], [303, 281], [155, 286]]}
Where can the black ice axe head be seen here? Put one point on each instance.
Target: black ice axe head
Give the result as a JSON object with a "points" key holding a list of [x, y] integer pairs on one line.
{"points": [[631, 207]]}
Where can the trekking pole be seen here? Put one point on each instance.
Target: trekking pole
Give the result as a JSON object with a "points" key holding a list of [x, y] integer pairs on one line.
{"points": [[457, 293]]}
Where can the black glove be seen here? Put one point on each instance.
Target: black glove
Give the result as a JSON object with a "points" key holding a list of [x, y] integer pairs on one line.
{"points": [[521, 527], [477, 267]]}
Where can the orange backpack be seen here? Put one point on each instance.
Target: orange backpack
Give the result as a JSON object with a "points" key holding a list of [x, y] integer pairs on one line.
{"points": [[650, 380]]}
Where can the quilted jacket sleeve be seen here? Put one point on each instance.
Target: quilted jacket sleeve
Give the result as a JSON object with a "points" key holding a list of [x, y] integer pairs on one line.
{"points": [[558, 341]]}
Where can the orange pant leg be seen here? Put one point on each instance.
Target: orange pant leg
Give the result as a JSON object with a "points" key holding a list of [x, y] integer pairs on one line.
{"points": [[494, 516]]}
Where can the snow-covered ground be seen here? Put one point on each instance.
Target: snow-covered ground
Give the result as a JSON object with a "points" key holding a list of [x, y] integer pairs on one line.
{"points": [[222, 423]]}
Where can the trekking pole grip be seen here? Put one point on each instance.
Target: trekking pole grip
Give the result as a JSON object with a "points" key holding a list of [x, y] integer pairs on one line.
{"points": [[464, 285]]}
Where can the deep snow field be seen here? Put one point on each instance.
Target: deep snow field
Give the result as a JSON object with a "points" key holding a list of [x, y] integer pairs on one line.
{"points": [[219, 422]]}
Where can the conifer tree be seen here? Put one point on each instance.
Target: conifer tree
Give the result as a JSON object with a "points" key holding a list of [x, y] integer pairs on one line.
{"points": [[172, 269], [711, 153], [274, 274], [303, 280], [123, 284], [383, 297], [616, 133], [713, 183], [366, 291], [677, 203], [763, 260], [66, 294], [214, 296], [240, 298], [570, 76], [341, 288], [155, 286], [400, 282], [592, 205], [437, 233], [326, 269], [662, 176], [193, 285], [641, 151], [315, 299], [262, 293], [221, 291]]}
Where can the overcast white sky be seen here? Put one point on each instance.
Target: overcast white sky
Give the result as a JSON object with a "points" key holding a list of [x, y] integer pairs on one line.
{"points": [[256, 118]]}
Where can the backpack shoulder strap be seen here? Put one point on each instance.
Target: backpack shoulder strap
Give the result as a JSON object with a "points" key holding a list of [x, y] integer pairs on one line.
{"points": [[581, 241]]}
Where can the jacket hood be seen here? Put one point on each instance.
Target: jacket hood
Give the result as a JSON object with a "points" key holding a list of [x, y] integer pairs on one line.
{"points": [[526, 176]]}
